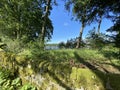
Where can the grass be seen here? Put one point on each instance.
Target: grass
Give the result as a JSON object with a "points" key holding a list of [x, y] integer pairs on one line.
{"points": [[66, 55], [84, 76], [99, 68]]}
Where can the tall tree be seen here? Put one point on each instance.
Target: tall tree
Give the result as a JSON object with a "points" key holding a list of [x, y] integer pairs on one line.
{"points": [[47, 28], [98, 9], [99, 24], [45, 16], [23, 19], [18, 17], [111, 10], [79, 8]]}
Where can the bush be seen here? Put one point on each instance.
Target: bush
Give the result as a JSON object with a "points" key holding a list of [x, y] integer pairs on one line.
{"points": [[9, 82]]}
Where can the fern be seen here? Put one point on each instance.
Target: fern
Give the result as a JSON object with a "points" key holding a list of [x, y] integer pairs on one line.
{"points": [[8, 83], [28, 87]]}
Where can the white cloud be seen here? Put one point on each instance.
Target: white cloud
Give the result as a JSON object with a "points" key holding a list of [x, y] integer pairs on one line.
{"points": [[65, 24]]}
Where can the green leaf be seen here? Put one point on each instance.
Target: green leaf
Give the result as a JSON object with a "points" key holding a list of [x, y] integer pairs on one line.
{"points": [[16, 82]]}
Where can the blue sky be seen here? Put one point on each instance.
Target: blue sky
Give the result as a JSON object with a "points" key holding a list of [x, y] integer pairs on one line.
{"points": [[65, 28]]}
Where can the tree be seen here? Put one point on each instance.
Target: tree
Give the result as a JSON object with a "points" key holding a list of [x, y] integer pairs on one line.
{"points": [[45, 16], [61, 45], [95, 40], [71, 43], [80, 13], [107, 8], [23, 19], [114, 8], [97, 9], [17, 18], [47, 28], [116, 33]]}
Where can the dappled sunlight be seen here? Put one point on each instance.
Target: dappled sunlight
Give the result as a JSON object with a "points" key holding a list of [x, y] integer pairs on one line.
{"points": [[66, 69], [42, 49]]}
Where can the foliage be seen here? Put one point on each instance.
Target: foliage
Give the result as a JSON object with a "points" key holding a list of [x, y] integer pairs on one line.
{"points": [[2, 45], [24, 23], [79, 13], [33, 50], [95, 40], [64, 55], [88, 11], [53, 61], [110, 52], [9, 82], [16, 19], [28, 87], [71, 43], [79, 9], [116, 33], [61, 45], [22, 20], [15, 46]]}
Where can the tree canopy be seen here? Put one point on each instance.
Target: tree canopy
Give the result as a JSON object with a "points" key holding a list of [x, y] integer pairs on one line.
{"points": [[23, 19], [89, 11], [29, 20]]}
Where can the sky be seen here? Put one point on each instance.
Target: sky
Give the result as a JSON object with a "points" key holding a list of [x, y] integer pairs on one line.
{"points": [[65, 28]]}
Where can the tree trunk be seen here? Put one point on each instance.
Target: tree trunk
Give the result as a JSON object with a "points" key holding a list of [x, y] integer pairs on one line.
{"points": [[99, 24], [45, 16], [80, 37]]}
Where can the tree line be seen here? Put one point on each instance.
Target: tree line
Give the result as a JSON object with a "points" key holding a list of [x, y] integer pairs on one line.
{"points": [[28, 20], [93, 40]]}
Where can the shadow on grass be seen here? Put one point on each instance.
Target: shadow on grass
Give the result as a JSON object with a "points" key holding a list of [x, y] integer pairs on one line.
{"points": [[105, 76], [43, 65], [61, 83], [111, 54], [112, 64], [115, 78], [81, 60]]}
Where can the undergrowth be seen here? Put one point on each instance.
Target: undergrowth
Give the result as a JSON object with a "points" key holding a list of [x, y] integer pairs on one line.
{"points": [[9, 82], [56, 67]]}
